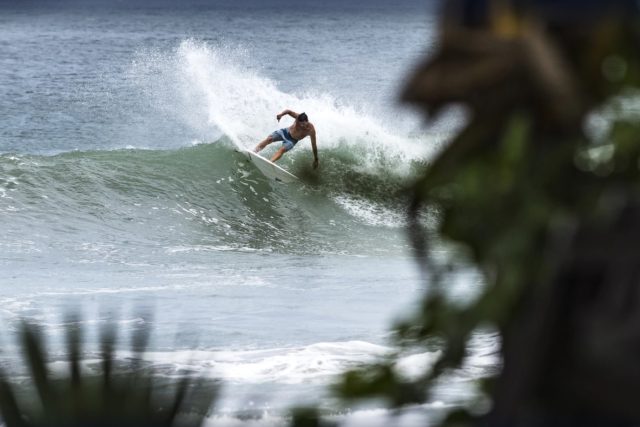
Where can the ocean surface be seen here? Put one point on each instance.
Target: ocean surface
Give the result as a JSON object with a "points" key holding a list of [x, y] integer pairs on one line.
{"points": [[123, 199]]}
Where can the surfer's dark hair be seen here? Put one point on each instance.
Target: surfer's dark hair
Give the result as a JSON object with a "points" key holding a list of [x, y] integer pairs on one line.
{"points": [[302, 117]]}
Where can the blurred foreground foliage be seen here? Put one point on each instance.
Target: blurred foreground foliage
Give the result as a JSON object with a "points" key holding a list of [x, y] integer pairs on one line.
{"points": [[109, 391], [540, 191], [119, 393]]}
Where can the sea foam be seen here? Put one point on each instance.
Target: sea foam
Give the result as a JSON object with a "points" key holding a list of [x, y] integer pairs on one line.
{"points": [[215, 90]]}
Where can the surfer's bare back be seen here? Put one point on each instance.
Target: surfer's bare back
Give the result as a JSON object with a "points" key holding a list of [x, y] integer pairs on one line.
{"points": [[290, 136]]}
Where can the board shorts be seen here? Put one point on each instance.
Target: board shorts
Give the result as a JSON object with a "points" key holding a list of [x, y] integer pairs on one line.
{"points": [[283, 135]]}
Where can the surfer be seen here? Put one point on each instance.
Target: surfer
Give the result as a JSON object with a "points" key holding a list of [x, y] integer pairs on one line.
{"points": [[290, 136]]}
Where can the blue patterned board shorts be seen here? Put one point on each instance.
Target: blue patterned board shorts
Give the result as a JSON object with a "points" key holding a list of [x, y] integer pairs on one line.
{"points": [[283, 135]]}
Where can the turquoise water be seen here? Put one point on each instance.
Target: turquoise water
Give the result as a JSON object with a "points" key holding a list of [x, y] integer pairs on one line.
{"points": [[122, 196]]}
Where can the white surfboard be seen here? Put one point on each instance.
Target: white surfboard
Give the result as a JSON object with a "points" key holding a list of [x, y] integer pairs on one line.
{"points": [[268, 168]]}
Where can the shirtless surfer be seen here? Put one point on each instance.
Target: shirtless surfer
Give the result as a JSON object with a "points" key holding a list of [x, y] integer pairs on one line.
{"points": [[290, 136]]}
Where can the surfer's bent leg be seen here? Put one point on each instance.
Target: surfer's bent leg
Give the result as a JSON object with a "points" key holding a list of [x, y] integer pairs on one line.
{"points": [[275, 136], [278, 154], [268, 140], [286, 146]]}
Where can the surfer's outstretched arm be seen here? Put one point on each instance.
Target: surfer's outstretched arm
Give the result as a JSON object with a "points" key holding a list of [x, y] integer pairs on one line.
{"points": [[314, 148], [289, 112]]}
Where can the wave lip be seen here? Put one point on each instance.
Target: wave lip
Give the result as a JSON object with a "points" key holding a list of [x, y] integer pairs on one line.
{"points": [[215, 90]]}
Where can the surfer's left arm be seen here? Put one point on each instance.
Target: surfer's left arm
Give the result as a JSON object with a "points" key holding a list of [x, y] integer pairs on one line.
{"points": [[315, 148]]}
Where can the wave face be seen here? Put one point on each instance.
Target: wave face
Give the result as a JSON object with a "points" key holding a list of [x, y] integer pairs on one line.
{"points": [[171, 185], [207, 197]]}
